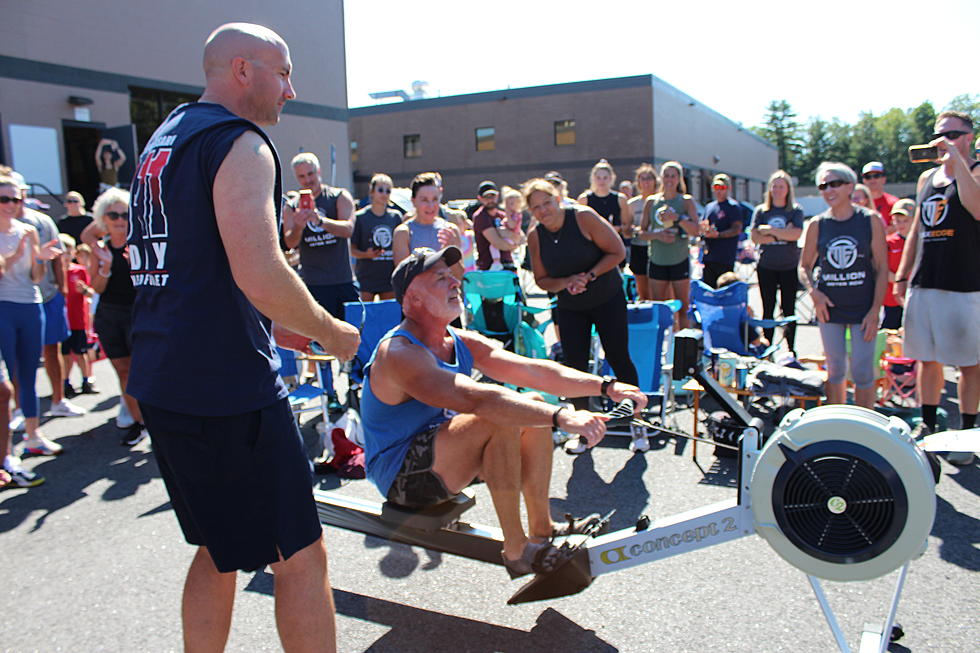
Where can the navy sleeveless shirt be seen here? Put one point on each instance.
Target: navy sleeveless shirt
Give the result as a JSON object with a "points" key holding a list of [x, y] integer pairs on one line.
{"points": [[199, 346], [845, 272]]}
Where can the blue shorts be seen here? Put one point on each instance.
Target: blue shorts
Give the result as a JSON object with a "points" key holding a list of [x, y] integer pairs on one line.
{"points": [[240, 485], [55, 320]]}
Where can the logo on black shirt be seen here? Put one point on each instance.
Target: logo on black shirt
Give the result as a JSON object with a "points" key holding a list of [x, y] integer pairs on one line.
{"points": [[934, 210], [842, 252]]}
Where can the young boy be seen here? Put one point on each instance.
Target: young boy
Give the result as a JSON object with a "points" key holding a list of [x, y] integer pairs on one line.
{"points": [[79, 317]]}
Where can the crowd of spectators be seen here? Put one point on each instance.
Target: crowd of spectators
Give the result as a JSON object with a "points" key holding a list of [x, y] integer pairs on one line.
{"points": [[67, 299]]}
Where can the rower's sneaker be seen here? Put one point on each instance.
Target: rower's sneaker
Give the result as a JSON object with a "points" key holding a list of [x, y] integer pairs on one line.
{"points": [[41, 446], [20, 476], [575, 445], [124, 420], [65, 408], [640, 442], [134, 435], [17, 420]]}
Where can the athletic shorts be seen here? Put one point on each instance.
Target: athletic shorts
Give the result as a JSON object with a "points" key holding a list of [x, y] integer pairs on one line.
{"points": [[416, 485], [332, 297], [240, 485], [639, 260], [114, 324], [941, 325], [676, 272], [55, 320], [77, 343]]}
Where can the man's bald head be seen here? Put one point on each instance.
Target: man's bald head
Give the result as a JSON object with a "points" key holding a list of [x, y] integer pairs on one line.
{"points": [[233, 40]]}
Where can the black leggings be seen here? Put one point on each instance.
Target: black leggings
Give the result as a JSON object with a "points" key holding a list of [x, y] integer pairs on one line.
{"points": [[611, 324], [787, 282]]}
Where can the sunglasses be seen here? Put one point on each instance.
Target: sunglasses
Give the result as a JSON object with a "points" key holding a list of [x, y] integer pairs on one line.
{"points": [[952, 134], [71, 201], [113, 215], [834, 183], [8, 200], [873, 175], [385, 191]]}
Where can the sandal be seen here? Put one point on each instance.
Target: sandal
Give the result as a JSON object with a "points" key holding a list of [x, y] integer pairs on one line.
{"points": [[579, 526], [537, 557]]}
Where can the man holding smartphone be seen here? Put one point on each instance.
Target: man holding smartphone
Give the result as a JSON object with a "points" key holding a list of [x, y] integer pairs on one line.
{"points": [[941, 263]]}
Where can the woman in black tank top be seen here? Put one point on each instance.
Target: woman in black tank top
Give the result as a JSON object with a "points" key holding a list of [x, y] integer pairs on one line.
{"points": [[607, 202], [574, 253]]}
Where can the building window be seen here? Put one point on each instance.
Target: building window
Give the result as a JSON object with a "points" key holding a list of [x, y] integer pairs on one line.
{"points": [[412, 145], [353, 152], [564, 132], [148, 107], [485, 139]]}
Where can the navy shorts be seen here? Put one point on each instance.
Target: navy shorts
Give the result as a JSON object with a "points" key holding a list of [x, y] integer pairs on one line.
{"points": [[55, 320], [332, 297], [77, 343], [676, 272], [240, 485]]}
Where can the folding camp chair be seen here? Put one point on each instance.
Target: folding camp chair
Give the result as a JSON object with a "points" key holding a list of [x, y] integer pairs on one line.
{"points": [[495, 307], [724, 317]]}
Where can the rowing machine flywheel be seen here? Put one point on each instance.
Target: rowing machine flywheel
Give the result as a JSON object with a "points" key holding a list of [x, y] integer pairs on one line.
{"points": [[843, 493]]}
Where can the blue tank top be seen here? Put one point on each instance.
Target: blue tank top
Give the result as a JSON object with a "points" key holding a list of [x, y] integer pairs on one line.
{"points": [[425, 235], [199, 346], [389, 430]]}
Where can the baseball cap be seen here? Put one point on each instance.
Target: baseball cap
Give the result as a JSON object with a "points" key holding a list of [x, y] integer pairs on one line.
{"points": [[486, 187], [904, 206], [873, 166], [722, 180], [553, 175], [422, 259]]}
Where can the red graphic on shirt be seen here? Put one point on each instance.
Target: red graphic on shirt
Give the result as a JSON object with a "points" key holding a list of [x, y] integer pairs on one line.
{"points": [[148, 198]]}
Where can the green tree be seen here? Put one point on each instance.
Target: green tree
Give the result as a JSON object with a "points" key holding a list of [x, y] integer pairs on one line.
{"points": [[822, 141], [782, 130], [968, 104]]}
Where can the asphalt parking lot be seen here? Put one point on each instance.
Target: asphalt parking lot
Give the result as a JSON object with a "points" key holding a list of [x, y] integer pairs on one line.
{"points": [[93, 561]]}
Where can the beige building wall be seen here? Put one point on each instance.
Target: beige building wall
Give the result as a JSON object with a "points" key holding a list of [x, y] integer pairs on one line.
{"points": [[109, 45]]}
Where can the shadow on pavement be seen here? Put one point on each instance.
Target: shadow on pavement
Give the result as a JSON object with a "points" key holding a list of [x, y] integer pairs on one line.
{"points": [[401, 559], [960, 535], [586, 492], [415, 629], [89, 457]]}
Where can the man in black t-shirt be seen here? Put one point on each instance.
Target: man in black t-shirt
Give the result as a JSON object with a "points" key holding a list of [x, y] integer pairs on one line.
{"points": [[942, 262], [75, 221]]}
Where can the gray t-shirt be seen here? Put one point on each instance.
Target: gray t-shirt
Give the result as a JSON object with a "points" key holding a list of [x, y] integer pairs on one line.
{"points": [[324, 258], [425, 235], [780, 255], [375, 232], [47, 231], [16, 284]]}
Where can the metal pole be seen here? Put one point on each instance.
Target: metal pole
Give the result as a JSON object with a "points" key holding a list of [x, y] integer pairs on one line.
{"points": [[829, 614]]}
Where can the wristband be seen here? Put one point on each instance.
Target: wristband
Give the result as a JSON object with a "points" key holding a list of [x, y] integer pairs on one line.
{"points": [[554, 416], [606, 382]]}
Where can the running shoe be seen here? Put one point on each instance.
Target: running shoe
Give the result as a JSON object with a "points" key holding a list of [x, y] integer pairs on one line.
{"points": [[69, 390], [65, 408], [134, 435], [576, 445], [640, 442], [88, 387], [41, 446], [17, 420], [124, 420], [23, 478]]}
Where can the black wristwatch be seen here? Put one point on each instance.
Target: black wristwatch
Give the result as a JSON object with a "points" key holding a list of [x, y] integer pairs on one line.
{"points": [[606, 382]]}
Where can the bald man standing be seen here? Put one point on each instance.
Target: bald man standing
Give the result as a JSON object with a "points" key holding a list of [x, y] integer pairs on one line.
{"points": [[209, 277]]}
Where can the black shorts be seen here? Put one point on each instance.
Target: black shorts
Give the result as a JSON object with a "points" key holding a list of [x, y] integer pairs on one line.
{"points": [[240, 485], [77, 343], [676, 272], [416, 485], [114, 324], [639, 260], [332, 297]]}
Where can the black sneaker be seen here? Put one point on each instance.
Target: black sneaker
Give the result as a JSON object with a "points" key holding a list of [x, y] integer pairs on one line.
{"points": [[89, 388], [69, 390], [134, 435]]}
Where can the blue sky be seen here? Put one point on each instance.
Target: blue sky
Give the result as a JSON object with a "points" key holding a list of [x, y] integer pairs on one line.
{"points": [[829, 59]]}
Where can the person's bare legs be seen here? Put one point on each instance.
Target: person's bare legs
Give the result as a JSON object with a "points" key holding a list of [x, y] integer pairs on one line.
{"points": [[121, 365], [304, 601], [865, 397], [643, 287], [536, 458], [468, 445], [53, 366], [682, 291], [931, 382], [209, 597], [836, 393], [969, 389]]}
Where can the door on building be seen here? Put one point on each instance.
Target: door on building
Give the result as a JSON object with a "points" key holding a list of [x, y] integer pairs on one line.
{"points": [[81, 141]]}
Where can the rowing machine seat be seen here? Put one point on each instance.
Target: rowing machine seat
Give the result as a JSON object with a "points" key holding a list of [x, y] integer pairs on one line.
{"points": [[430, 518]]}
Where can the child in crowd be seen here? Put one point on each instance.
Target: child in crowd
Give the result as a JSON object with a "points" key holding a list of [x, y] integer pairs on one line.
{"points": [[75, 348], [901, 222]]}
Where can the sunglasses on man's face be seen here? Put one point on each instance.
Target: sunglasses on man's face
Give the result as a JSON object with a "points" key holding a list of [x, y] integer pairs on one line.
{"points": [[114, 215], [71, 201], [384, 191], [8, 200], [833, 183], [951, 134], [873, 175]]}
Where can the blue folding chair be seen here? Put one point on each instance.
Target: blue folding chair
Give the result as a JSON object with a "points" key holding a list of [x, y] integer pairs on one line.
{"points": [[495, 307], [724, 318]]}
